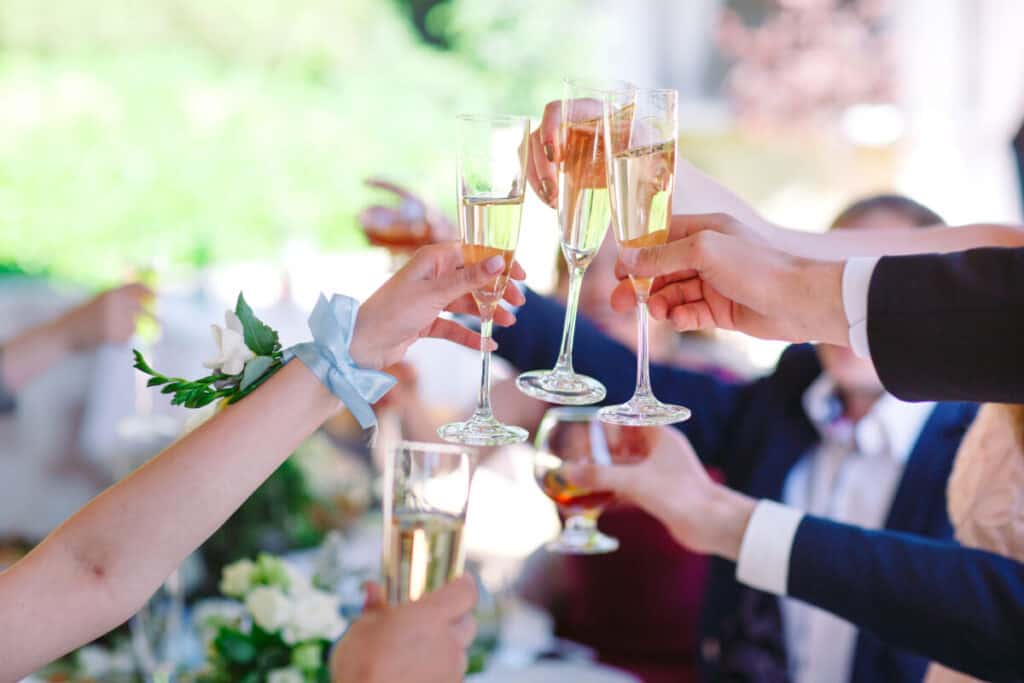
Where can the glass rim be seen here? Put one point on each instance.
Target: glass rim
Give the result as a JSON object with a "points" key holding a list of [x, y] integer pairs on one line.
{"points": [[598, 85], [493, 118], [436, 447], [572, 412]]}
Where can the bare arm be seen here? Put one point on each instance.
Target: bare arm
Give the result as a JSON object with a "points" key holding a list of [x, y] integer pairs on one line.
{"points": [[93, 572], [837, 245], [101, 565]]}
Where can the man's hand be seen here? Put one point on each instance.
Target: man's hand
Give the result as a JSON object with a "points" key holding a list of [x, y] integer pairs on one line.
{"points": [[715, 272], [673, 486], [407, 306], [417, 642]]}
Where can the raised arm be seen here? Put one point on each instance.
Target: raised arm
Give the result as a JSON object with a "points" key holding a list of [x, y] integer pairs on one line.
{"points": [[101, 565]]}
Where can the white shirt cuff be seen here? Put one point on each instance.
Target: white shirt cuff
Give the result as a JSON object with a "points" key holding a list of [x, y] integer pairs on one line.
{"points": [[856, 283], [764, 552]]}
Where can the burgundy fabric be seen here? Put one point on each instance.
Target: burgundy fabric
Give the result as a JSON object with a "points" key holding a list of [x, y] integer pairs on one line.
{"points": [[638, 607]]}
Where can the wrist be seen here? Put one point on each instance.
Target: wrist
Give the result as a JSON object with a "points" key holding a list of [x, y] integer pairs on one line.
{"points": [[361, 350], [727, 516], [818, 286]]}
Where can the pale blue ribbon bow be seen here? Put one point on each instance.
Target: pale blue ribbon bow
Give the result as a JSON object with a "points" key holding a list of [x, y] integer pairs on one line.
{"points": [[332, 324]]}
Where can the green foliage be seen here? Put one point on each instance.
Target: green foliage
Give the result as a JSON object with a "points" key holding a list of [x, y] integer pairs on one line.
{"points": [[191, 132], [259, 337], [238, 655]]}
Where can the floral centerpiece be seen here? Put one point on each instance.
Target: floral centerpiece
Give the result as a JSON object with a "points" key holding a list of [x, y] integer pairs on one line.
{"points": [[275, 626]]}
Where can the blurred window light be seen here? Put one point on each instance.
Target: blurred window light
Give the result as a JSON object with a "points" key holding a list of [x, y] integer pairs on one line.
{"points": [[873, 125]]}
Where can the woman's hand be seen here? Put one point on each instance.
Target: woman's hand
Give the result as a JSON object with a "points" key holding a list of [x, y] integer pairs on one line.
{"points": [[417, 642], [407, 306], [673, 486]]}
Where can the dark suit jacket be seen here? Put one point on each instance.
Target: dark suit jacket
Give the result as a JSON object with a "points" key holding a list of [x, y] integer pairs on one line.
{"points": [[950, 327], [755, 432]]}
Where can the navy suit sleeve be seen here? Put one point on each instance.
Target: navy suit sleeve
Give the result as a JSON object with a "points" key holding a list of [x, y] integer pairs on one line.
{"points": [[533, 343], [949, 327], [958, 606]]}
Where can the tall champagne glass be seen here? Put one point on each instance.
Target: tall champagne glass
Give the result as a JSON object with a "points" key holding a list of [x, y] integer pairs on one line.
{"points": [[424, 513], [640, 152], [491, 176], [584, 210], [569, 435]]}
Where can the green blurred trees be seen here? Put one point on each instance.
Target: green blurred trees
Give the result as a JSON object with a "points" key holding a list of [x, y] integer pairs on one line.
{"points": [[194, 131]]}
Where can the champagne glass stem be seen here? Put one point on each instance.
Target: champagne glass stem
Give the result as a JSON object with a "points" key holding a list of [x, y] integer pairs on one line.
{"points": [[643, 357], [564, 364], [483, 406]]}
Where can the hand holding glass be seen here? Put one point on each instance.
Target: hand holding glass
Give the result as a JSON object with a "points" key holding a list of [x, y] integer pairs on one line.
{"points": [[583, 215], [576, 435], [640, 152], [491, 180]]}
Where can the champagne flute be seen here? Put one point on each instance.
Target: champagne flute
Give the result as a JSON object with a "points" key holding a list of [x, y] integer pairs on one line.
{"points": [[584, 211], [576, 435], [491, 178], [429, 491], [640, 152]]}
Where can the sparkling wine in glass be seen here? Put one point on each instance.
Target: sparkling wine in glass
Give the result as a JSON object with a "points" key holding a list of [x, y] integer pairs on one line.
{"points": [[569, 435], [429, 491], [491, 180], [584, 210], [640, 152]]}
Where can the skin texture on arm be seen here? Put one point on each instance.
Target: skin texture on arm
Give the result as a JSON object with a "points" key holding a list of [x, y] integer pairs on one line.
{"points": [[101, 565], [96, 569], [107, 318]]}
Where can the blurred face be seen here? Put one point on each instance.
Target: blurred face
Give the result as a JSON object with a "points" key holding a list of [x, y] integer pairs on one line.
{"points": [[851, 373]]}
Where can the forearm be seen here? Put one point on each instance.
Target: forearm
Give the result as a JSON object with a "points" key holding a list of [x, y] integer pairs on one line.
{"points": [[702, 194], [844, 244], [32, 352], [103, 563], [959, 606]]}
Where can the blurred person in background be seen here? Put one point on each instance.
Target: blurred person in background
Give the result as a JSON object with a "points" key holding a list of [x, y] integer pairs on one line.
{"points": [[819, 433], [109, 317], [45, 367]]}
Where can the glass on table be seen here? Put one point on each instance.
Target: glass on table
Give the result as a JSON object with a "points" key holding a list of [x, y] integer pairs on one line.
{"points": [[640, 151], [426, 493], [491, 177], [573, 435], [584, 210]]}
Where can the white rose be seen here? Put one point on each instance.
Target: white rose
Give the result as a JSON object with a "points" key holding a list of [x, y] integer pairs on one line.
{"points": [[315, 615], [231, 349], [286, 675], [269, 607], [236, 578]]}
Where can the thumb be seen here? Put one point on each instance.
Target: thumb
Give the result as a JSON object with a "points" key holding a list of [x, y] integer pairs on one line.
{"points": [[472, 276]]}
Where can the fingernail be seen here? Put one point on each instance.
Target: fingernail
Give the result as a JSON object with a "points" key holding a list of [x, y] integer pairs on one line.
{"points": [[545, 186], [494, 264], [549, 151]]}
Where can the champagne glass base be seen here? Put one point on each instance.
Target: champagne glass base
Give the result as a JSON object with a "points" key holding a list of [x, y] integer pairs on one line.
{"points": [[644, 411], [565, 388], [574, 542], [482, 432]]}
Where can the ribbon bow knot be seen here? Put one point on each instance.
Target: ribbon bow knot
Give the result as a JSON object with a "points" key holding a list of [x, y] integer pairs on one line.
{"points": [[327, 356]]}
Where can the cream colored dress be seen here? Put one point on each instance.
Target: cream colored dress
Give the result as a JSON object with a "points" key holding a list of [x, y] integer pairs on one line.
{"points": [[986, 494]]}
